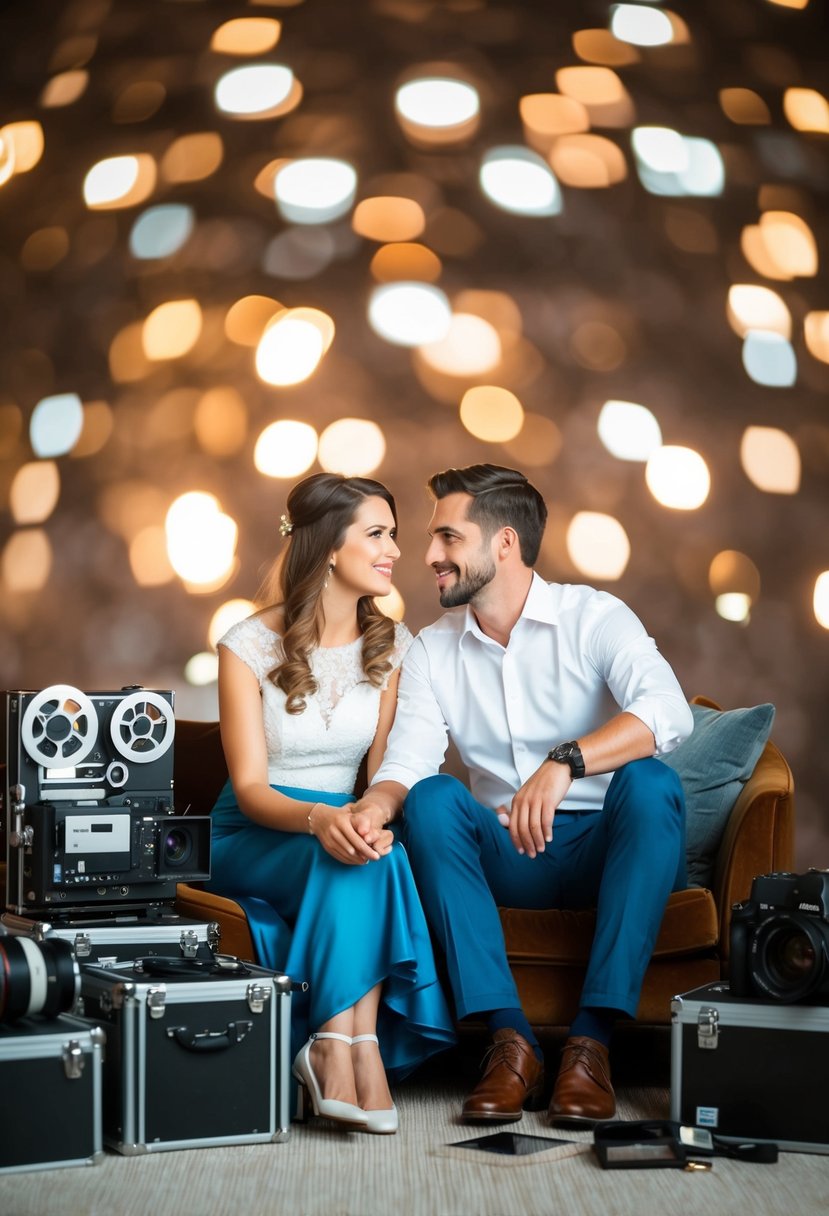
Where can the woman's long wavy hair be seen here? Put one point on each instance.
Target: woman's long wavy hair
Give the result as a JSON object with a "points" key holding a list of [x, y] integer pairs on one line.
{"points": [[320, 509]]}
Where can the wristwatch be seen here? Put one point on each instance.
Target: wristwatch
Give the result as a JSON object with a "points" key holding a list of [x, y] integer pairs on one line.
{"points": [[569, 754]]}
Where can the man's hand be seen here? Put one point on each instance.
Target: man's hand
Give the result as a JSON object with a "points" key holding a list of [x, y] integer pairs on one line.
{"points": [[532, 811], [334, 828], [368, 820]]}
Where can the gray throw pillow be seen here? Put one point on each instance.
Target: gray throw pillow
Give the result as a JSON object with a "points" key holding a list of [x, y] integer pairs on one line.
{"points": [[714, 764]]}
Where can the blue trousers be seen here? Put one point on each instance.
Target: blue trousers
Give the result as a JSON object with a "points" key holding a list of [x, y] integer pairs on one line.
{"points": [[623, 860]]}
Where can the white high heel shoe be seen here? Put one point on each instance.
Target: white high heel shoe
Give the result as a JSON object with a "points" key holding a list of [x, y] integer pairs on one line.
{"points": [[328, 1108], [381, 1122]]}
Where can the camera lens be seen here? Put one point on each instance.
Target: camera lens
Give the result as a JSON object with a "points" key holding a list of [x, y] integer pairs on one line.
{"points": [[36, 977], [788, 959], [177, 847]]}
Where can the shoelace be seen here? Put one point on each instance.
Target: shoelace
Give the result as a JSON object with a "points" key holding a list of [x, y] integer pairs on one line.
{"points": [[506, 1052], [579, 1054]]}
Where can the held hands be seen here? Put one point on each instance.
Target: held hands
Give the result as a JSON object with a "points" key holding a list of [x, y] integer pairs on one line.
{"points": [[369, 821], [351, 836], [530, 816]]}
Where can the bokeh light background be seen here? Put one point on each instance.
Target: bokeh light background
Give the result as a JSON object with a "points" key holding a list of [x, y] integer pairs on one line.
{"points": [[242, 242]]}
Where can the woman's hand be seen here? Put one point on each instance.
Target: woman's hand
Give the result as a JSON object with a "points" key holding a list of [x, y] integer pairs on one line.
{"points": [[369, 820], [334, 828]]}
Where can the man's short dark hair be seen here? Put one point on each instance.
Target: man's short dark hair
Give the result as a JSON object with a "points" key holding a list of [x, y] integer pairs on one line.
{"points": [[500, 498]]}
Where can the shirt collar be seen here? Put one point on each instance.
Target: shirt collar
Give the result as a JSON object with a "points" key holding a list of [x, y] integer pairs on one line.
{"points": [[538, 606]]}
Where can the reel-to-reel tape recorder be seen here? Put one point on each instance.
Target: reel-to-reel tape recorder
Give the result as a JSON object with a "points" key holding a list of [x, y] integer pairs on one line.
{"points": [[89, 801]]}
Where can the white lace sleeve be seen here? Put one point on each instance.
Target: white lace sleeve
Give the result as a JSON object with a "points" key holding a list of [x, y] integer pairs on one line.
{"points": [[256, 645], [402, 641]]}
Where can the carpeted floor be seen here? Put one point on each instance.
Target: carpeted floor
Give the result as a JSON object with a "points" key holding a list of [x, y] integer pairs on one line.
{"points": [[323, 1172]]}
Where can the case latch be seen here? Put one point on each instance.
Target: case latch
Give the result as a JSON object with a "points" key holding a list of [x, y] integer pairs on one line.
{"points": [[189, 943], [83, 945], [156, 1001], [708, 1028], [257, 995], [72, 1059]]}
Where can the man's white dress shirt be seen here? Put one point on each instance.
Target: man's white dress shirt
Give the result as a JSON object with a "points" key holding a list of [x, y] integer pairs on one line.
{"points": [[574, 659]]}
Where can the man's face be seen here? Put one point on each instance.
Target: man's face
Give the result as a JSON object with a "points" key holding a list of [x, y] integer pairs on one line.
{"points": [[458, 553]]}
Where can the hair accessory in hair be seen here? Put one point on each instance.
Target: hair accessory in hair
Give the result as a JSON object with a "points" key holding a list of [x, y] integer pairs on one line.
{"points": [[285, 526]]}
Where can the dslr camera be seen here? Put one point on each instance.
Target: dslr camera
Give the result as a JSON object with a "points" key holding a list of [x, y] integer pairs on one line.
{"points": [[780, 939]]}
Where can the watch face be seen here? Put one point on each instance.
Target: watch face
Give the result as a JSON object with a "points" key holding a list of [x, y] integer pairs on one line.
{"points": [[569, 754]]}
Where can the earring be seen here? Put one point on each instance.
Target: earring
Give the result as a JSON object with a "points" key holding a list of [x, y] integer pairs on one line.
{"points": [[328, 575]]}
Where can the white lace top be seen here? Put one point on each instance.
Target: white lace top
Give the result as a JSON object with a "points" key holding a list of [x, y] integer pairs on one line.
{"points": [[321, 748]]}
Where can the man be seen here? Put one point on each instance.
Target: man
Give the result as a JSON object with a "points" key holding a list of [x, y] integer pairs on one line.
{"points": [[556, 699]]}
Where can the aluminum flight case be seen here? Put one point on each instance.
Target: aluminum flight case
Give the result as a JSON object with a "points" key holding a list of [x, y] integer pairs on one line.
{"points": [[51, 1087], [192, 1060], [110, 940], [751, 1069]]}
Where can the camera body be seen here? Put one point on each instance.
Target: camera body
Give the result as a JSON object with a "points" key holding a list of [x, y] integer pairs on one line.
{"points": [[89, 816], [780, 938], [122, 855]]}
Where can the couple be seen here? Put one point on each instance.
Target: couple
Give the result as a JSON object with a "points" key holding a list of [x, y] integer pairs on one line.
{"points": [[556, 699]]}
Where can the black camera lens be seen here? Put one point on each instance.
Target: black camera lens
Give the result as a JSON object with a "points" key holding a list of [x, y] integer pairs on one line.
{"points": [[36, 977], [788, 960], [177, 847]]}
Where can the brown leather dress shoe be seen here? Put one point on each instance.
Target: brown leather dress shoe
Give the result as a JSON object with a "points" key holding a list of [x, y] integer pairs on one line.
{"points": [[583, 1094], [513, 1080]]}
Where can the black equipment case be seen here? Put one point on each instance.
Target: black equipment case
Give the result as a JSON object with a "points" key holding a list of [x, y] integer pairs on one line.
{"points": [[197, 1054], [110, 940], [51, 1087], [751, 1069]]}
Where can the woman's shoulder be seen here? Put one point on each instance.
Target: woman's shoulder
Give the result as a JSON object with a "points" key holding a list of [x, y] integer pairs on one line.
{"points": [[254, 641], [402, 641]]}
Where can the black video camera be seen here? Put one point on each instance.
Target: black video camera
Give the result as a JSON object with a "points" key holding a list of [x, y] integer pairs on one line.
{"points": [[780, 939]]}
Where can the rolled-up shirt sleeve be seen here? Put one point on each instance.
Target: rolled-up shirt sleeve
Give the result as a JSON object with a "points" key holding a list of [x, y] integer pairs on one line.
{"points": [[640, 679], [418, 740]]}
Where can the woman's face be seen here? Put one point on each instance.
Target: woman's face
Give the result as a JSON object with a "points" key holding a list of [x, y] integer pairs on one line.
{"points": [[364, 561]]}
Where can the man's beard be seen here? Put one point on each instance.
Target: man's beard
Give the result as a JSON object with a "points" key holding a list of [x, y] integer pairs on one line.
{"points": [[464, 590]]}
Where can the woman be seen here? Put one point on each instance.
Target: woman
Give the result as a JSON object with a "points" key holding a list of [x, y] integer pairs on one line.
{"points": [[307, 687]]}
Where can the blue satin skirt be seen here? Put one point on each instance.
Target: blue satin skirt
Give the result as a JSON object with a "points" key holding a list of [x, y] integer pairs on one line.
{"points": [[341, 929]]}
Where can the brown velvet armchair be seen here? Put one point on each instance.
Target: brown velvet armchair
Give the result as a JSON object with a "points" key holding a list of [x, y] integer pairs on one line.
{"points": [[548, 950]]}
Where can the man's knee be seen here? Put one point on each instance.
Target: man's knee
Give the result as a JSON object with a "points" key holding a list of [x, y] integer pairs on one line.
{"points": [[429, 801], [648, 790]]}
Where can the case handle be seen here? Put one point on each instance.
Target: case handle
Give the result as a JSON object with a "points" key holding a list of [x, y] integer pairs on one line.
{"points": [[209, 1040]]}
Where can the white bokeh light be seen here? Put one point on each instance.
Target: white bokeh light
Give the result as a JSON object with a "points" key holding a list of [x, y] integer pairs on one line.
{"points": [[110, 180], [161, 231], [470, 347], [660, 148], [639, 25], [227, 614], [201, 540], [821, 599], [769, 359], [286, 448], [289, 351], [352, 446], [598, 545], [629, 431], [202, 669], [254, 89], [409, 314], [733, 606], [56, 424], [315, 190], [520, 181], [437, 102], [678, 477]]}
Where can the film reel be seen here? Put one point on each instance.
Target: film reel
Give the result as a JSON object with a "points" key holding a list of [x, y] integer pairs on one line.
{"points": [[59, 727], [142, 727]]}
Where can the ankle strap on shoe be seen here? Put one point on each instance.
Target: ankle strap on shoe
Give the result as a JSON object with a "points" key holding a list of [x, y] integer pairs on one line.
{"points": [[329, 1034], [365, 1038]]}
